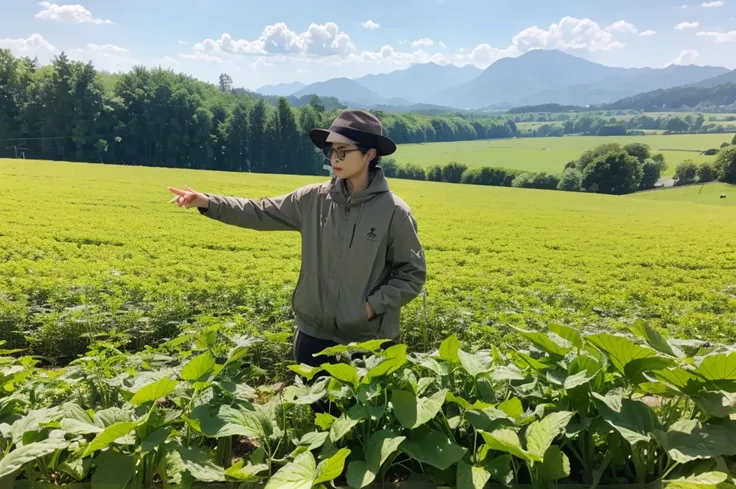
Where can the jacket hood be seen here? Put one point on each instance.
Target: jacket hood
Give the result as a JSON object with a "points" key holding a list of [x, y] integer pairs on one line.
{"points": [[377, 185]]}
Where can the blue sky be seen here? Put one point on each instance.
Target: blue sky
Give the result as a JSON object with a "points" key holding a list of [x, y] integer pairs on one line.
{"points": [[276, 41]]}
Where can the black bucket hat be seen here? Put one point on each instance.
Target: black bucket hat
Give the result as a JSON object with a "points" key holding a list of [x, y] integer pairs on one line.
{"points": [[357, 127]]}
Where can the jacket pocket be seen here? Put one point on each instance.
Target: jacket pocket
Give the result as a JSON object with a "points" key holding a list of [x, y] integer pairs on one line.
{"points": [[305, 300], [351, 316]]}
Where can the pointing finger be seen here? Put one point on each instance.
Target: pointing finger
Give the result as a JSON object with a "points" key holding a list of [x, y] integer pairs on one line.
{"points": [[176, 191]]}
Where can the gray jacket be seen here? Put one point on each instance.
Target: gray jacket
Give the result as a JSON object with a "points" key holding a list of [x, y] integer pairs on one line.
{"points": [[355, 249]]}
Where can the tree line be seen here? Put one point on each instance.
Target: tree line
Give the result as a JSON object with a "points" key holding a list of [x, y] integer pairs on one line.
{"points": [[154, 117]]}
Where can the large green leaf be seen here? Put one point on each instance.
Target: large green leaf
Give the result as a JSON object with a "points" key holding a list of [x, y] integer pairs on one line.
{"points": [[433, 447], [655, 339], [555, 466], [114, 470], [472, 476], [306, 371], [342, 426], [394, 359], [620, 350], [413, 412], [635, 368], [76, 427], [506, 440], [108, 436], [331, 468], [541, 434], [688, 440], [299, 474], [381, 445], [706, 480], [324, 420], [370, 346], [28, 453], [154, 391], [720, 404], [197, 462], [488, 419], [449, 348], [199, 367], [343, 372], [155, 439], [474, 364], [550, 343], [33, 421], [679, 379], [568, 333], [242, 472], [222, 421], [512, 407], [634, 420], [718, 367]]}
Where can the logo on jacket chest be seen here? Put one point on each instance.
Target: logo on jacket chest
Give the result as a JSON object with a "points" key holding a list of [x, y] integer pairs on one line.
{"points": [[371, 235]]}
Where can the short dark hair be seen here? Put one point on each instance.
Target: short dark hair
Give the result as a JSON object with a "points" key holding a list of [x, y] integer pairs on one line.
{"points": [[375, 161]]}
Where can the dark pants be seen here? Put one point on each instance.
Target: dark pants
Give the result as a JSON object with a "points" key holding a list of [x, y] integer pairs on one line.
{"points": [[306, 346]]}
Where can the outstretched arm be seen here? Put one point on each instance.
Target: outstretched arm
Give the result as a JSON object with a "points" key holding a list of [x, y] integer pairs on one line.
{"points": [[408, 268], [282, 213]]}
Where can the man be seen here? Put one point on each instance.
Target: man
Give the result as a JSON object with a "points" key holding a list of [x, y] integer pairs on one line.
{"points": [[362, 260]]}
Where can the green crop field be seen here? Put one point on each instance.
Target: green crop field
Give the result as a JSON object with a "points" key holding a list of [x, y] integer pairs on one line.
{"points": [[498, 254], [512, 369], [551, 154]]}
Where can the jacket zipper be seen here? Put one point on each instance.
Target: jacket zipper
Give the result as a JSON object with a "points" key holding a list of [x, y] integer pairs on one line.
{"points": [[352, 237]]}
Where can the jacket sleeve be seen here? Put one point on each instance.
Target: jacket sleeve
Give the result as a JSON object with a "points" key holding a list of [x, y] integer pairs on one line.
{"points": [[282, 213], [408, 268]]}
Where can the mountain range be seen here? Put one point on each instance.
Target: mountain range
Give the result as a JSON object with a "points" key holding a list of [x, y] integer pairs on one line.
{"points": [[537, 77]]}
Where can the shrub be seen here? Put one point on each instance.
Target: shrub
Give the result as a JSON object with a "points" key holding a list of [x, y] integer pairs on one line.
{"points": [[651, 173], [638, 150], [570, 181], [453, 172], [434, 173], [524, 180], [589, 156], [389, 167], [614, 173], [545, 181], [725, 145], [733, 141], [707, 172], [686, 173], [726, 164], [471, 176], [710, 152], [410, 171]]}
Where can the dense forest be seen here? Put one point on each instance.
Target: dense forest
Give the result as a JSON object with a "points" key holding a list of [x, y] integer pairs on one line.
{"points": [[155, 117], [721, 98]]}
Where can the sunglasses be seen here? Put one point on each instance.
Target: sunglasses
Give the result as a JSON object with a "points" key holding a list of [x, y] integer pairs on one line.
{"points": [[341, 153]]}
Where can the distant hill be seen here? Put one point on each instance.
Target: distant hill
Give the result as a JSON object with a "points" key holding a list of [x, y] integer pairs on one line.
{"points": [[625, 83], [678, 98], [417, 83], [281, 89], [349, 92], [723, 79], [536, 78], [512, 80]]}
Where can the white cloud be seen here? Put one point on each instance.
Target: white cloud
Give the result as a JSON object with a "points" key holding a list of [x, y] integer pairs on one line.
{"points": [[484, 55], [319, 39], [33, 46], [422, 42], [75, 14], [183, 43], [105, 57], [370, 25], [647, 33], [718, 3], [570, 34], [720, 37], [443, 45], [622, 27], [685, 57], [682, 7], [686, 25]]}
